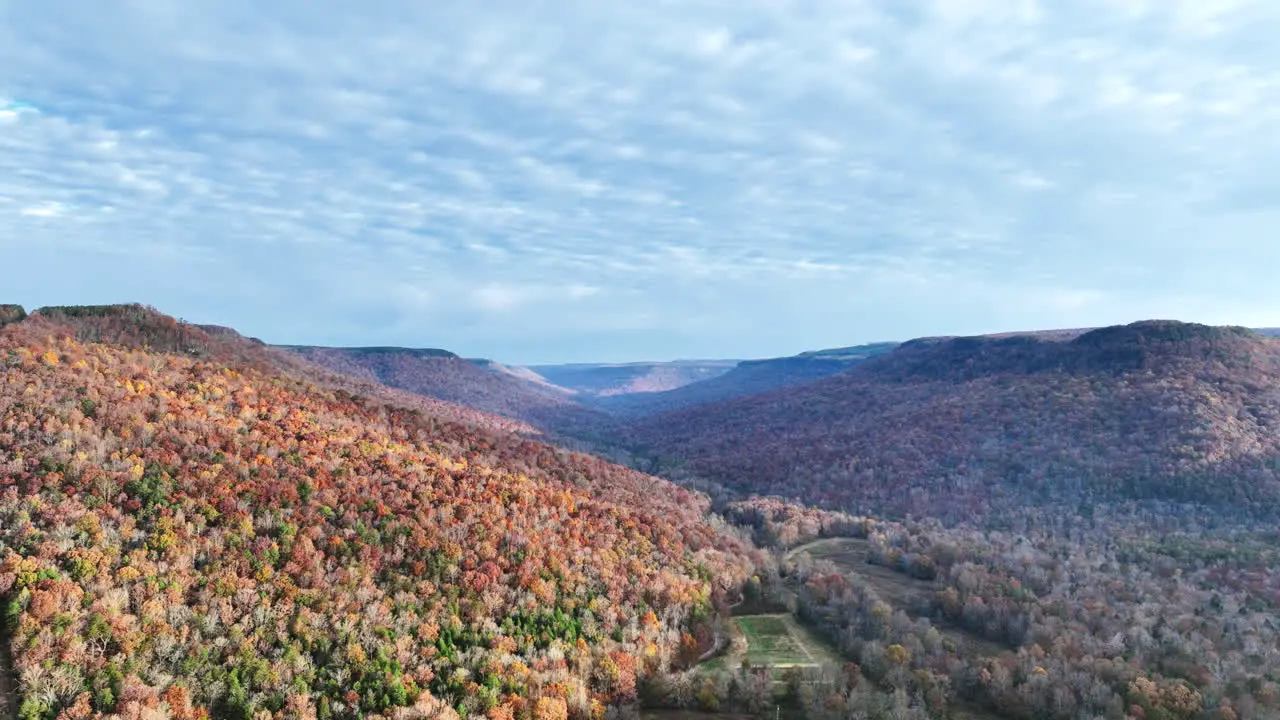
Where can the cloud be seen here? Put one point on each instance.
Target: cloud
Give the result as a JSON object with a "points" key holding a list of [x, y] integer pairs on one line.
{"points": [[613, 180], [45, 210], [10, 109]]}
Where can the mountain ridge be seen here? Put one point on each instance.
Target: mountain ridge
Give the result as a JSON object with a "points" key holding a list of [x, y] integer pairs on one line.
{"points": [[748, 377], [444, 375], [142, 327], [1150, 410], [596, 381]]}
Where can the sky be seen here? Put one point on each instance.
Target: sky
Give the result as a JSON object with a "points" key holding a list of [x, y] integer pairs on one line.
{"points": [[590, 180]]}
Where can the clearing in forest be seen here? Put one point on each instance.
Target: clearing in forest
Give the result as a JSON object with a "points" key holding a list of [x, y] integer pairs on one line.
{"points": [[895, 588], [775, 641], [779, 641]]}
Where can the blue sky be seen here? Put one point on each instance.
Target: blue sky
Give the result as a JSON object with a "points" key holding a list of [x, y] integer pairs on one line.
{"points": [[580, 180]]}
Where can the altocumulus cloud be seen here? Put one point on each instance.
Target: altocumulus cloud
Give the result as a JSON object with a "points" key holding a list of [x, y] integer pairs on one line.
{"points": [[584, 180]]}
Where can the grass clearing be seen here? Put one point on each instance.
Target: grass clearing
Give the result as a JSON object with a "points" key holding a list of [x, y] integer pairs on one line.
{"points": [[895, 588], [778, 641], [770, 642]]}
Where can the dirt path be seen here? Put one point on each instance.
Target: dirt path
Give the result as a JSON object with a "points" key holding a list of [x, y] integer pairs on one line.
{"points": [[895, 588], [8, 681], [799, 640]]}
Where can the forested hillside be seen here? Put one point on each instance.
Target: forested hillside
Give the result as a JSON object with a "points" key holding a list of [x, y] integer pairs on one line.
{"points": [[140, 327], [956, 427], [1126, 614], [445, 376], [188, 539]]}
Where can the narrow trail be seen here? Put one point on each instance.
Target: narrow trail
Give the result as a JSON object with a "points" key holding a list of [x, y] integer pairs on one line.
{"points": [[895, 588], [8, 681], [800, 641]]}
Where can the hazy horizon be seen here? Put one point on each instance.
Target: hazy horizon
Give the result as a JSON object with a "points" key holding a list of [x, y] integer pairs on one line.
{"points": [[601, 183]]}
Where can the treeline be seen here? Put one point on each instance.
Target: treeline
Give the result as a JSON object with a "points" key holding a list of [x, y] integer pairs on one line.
{"points": [[1125, 613]]}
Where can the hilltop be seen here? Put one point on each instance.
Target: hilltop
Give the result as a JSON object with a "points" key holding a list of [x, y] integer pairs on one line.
{"points": [[144, 328], [955, 428], [187, 530], [11, 314]]}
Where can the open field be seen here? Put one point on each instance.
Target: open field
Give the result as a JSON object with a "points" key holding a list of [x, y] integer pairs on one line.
{"points": [[775, 641], [850, 554], [779, 641]]}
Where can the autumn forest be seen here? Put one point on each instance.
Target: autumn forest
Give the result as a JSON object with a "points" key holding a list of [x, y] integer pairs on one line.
{"points": [[195, 524]]}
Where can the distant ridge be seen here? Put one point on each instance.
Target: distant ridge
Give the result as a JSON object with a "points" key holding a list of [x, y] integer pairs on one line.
{"points": [[376, 351], [749, 377], [445, 376], [956, 428], [602, 380], [1138, 346]]}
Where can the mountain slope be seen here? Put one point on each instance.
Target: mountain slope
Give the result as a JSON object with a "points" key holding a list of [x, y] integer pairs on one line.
{"points": [[144, 328], [443, 375], [179, 536], [952, 428], [749, 377]]}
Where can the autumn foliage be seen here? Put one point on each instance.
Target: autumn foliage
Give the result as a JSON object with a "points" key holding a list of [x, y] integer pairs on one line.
{"points": [[184, 538], [958, 428], [443, 375]]}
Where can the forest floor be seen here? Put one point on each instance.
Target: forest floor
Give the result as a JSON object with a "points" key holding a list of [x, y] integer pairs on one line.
{"points": [[895, 588], [8, 681]]}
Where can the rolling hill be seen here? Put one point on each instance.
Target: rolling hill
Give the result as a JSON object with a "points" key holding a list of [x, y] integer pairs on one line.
{"points": [[954, 428], [193, 525]]}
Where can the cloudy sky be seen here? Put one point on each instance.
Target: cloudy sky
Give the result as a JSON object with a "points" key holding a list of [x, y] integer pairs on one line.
{"points": [[566, 180]]}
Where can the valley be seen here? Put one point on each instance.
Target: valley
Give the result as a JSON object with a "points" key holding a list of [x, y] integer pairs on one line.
{"points": [[1051, 526]]}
